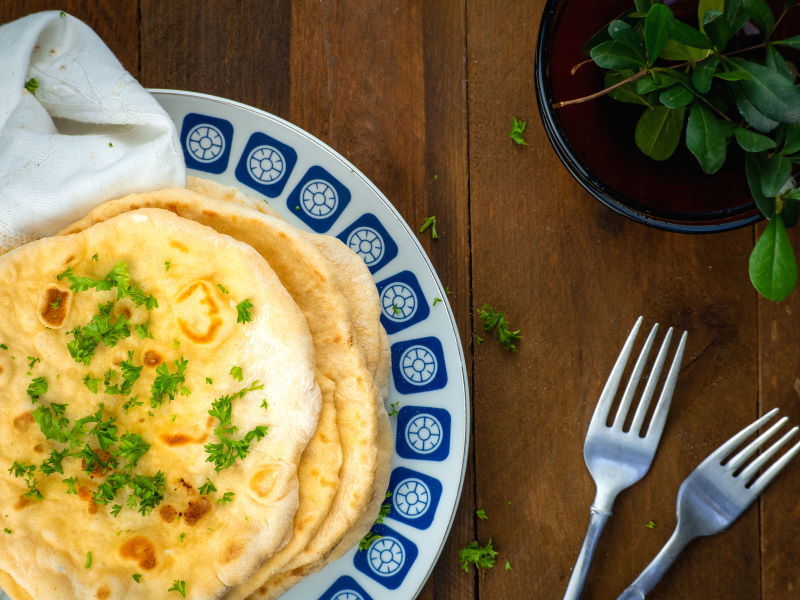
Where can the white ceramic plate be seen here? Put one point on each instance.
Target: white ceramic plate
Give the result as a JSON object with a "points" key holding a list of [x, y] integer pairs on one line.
{"points": [[315, 188]]}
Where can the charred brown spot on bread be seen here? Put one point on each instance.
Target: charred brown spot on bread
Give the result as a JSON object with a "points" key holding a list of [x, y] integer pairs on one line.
{"points": [[186, 484], [167, 513], [298, 572], [140, 549], [84, 493], [54, 306], [22, 502], [176, 244], [233, 551], [103, 592], [176, 439], [152, 358], [210, 214], [205, 294], [196, 510], [38, 447], [23, 420]]}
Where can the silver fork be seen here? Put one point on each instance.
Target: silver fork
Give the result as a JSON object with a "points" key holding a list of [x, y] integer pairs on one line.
{"points": [[616, 458], [716, 493]]}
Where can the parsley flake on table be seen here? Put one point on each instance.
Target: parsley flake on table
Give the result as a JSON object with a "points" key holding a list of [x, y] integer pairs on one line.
{"points": [[481, 514], [88, 563], [367, 540], [517, 133], [243, 311], [508, 565], [650, 524], [226, 497], [436, 301], [36, 388], [393, 408], [178, 586], [166, 383], [32, 85], [429, 223], [207, 488], [494, 320], [236, 373], [386, 508], [483, 557], [225, 453]]}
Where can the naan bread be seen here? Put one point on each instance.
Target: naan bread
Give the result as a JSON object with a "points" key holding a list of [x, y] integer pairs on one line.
{"points": [[306, 274], [198, 278]]}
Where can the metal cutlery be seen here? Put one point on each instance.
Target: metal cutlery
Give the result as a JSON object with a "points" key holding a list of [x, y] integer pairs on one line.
{"points": [[618, 457], [717, 492]]}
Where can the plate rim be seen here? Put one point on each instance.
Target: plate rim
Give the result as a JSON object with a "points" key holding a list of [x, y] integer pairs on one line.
{"points": [[420, 250]]}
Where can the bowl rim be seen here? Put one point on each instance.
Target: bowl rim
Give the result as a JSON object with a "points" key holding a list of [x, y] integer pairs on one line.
{"points": [[614, 200]]}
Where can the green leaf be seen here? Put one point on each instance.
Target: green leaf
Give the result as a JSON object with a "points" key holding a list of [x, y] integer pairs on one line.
{"points": [[750, 141], [791, 140], [770, 92], [631, 38], [750, 113], [721, 27], [706, 5], [642, 6], [776, 173], [754, 166], [688, 35], [733, 75], [777, 63], [773, 268], [625, 93], [656, 30], [761, 14], [658, 131], [792, 195], [615, 55], [792, 42], [705, 138], [703, 74], [656, 81], [677, 96], [790, 212]]}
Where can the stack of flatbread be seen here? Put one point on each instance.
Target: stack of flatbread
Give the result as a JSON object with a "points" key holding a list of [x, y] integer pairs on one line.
{"points": [[191, 402]]}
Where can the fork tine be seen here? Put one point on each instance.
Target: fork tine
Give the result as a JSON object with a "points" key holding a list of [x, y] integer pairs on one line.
{"points": [[743, 455], [767, 476], [610, 389], [737, 439], [669, 384], [659, 419], [633, 382], [751, 469]]}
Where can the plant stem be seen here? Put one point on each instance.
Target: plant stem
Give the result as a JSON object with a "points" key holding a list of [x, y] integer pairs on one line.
{"points": [[633, 77], [642, 73], [579, 65]]}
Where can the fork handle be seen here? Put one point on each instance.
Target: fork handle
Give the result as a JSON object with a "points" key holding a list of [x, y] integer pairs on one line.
{"points": [[653, 573], [597, 521]]}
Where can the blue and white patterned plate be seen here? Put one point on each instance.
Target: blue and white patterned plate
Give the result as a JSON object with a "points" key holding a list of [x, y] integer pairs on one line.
{"points": [[315, 188]]}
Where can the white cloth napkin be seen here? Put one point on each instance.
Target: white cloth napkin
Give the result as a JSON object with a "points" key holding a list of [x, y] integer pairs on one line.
{"points": [[87, 134]]}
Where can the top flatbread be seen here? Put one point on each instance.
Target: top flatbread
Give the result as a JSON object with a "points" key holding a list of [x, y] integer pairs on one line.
{"points": [[198, 278]]}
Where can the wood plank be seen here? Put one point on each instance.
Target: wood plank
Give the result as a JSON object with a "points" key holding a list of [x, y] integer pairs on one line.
{"points": [[229, 48], [116, 23], [779, 385], [384, 85], [574, 276]]}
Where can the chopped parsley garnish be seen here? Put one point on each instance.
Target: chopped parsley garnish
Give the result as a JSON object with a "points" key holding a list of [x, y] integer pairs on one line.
{"points": [[178, 586], [105, 431], [55, 303], [367, 540], [429, 223], [130, 374], [181, 537], [226, 497], [167, 265], [8, 531], [393, 408], [386, 508], [32, 360], [236, 373], [88, 559], [27, 472], [71, 483], [483, 557], [143, 330], [137, 577], [52, 463], [265, 405], [93, 461], [101, 329], [32, 85], [207, 488], [118, 277], [147, 492], [396, 310], [209, 381], [91, 382], [496, 320], [95, 257], [132, 447], [436, 301], [225, 453], [168, 384], [481, 514], [222, 288], [517, 133], [131, 402], [36, 388], [3, 347], [243, 310], [52, 422]]}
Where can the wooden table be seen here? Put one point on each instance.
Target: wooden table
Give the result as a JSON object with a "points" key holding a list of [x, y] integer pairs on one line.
{"points": [[419, 94]]}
